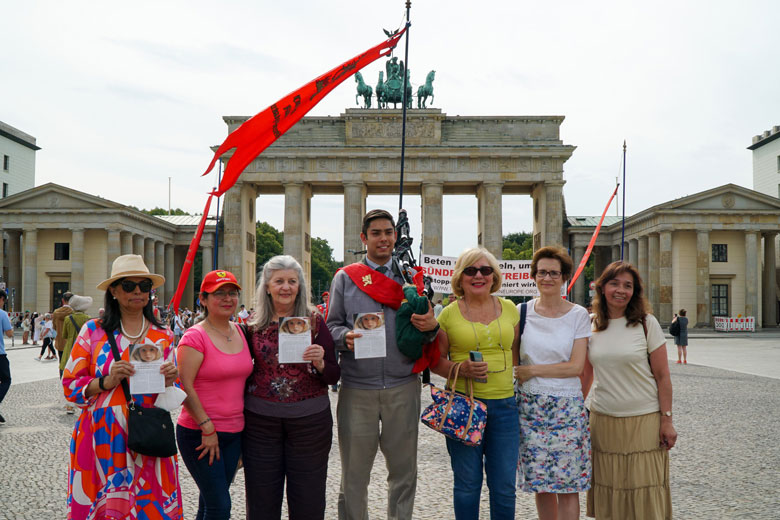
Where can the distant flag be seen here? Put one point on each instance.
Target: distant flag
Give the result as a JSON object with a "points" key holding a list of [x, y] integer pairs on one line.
{"points": [[591, 243], [256, 134]]}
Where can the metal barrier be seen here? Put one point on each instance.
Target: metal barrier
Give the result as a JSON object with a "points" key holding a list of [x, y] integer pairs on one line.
{"points": [[727, 324]]}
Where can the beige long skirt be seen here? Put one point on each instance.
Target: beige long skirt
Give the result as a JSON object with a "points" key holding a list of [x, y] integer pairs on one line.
{"points": [[630, 469]]}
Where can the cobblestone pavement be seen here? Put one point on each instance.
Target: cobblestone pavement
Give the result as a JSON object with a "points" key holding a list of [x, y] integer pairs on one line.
{"points": [[726, 464]]}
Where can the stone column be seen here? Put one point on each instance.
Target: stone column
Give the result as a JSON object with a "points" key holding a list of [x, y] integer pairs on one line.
{"points": [[490, 217], [769, 279], [553, 226], [432, 197], [159, 267], [601, 260], [232, 238], [653, 271], [113, 247], [138, 245], [751, 276], [149, 253], [297, 224], [207, 259], [354, 210], [642, 263], [703, 291], [14, 258], [633, 252], [77, 261], [126, 239], [239, 247], [579, 285], [31, 271], [170, 282], [2, 257], [616, 253], [665, 278]]}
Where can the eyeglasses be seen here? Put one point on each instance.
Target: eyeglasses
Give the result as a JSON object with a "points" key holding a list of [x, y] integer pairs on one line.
{"points": [[225, 294], [486, 270], [541, 273], [129, 286]]}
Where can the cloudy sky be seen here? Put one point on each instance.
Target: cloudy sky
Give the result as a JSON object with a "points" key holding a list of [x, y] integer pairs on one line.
{"points": [[123, 96]]}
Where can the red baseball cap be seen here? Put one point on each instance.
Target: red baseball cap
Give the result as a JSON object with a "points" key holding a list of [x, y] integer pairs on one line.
{"points": [[216, 279]]}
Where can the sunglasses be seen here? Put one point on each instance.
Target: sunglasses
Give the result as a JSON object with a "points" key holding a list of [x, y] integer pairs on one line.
{"points": [[129, 286], [486, 270]]}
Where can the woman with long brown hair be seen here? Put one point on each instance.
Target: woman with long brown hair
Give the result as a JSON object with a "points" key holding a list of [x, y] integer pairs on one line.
{"points": [[631, 411]]}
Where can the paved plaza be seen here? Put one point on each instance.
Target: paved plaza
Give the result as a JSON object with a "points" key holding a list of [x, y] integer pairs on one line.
{"points": [[726, 464]]}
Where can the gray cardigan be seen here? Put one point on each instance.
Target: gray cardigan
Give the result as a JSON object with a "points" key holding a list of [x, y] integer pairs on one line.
{"points": [[346, 300]]}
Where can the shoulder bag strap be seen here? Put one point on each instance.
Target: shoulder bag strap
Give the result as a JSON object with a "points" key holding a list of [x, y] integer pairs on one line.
{"points": [[73, 321], [523, 314], [117, 357]]}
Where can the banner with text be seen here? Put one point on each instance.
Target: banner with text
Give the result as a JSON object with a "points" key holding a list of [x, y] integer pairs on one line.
{"points": [[516, 273]]}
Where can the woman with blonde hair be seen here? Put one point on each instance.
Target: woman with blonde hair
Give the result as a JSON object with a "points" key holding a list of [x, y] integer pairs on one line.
{"points": [[488, 326], [288, 424], [631, 410]]}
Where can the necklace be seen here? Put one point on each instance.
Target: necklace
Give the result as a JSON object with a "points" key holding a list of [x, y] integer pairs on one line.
{"points": [[500, 339], [133, 336], [226, 336]]}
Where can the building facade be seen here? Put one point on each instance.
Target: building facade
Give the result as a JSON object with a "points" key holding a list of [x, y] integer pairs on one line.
{"points": [[55, 239], [712, 253], [766, 162], [17, 153]]}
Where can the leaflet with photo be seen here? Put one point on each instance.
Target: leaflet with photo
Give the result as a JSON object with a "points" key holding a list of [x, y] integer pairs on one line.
{"points": [[371, 326], [147, 359], [294, 338]]}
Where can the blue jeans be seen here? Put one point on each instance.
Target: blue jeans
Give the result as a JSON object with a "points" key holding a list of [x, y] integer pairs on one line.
{"points": [[498, 453], [213, 481]]}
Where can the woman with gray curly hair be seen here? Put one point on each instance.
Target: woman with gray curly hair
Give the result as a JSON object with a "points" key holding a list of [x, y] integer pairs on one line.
{"points": [[288, 423]]}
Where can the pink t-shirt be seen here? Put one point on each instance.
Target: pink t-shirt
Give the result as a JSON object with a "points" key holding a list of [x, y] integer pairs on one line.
{"points": [[220, 383]]}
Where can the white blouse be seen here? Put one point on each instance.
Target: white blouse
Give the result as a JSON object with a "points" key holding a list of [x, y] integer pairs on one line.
{"points": [[546, 341]]}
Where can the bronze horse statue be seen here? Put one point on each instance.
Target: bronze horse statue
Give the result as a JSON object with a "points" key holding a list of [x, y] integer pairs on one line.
{"points": [[426, 90], [363, 91], [381, 101]]}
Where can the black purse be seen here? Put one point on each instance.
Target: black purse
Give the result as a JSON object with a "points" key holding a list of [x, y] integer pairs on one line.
{"points": [[149, 430]]}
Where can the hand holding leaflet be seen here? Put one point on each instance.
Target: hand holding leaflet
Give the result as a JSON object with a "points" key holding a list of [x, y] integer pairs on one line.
{"points": [[371, 343], [147, 360], [294, 338]]}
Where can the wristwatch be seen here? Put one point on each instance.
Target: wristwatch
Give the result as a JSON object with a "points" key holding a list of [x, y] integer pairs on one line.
{"points": [[667, 413]]}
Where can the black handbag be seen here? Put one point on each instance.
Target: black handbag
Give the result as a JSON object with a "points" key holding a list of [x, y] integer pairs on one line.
{"points": [[149, 430]]}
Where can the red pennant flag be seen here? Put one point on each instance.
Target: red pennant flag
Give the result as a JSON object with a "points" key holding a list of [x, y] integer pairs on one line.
{"points": [[591, 243], [256, 134], [185, 270]]}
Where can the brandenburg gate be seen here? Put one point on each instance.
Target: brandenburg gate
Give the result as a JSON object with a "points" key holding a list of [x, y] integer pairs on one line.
{"points": [[358, 153]]}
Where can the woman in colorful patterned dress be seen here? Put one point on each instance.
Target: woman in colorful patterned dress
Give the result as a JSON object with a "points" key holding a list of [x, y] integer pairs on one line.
{"points": [[288, 425], [106, 479], [481, 322], [554, 438]]}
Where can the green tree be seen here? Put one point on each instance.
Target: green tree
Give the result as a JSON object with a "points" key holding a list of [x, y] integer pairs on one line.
{"points": [[268, 242], [518, 246]]}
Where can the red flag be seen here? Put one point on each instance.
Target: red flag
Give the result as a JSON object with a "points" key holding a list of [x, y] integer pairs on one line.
{"points": [[256, 134], [185, 270], [590, 244]]}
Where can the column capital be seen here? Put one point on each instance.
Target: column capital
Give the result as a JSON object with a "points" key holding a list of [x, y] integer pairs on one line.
{"points": [[556, 182], [77, 230], [769, 234]]}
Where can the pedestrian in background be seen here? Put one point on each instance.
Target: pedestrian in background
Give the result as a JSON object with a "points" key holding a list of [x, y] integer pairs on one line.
{"points": [[47, 335], [36, 322], [70, 331], [631, 411], [26, 326], [6, 331], [681, 339], [58, 319], [554, 458], [214, 363]]}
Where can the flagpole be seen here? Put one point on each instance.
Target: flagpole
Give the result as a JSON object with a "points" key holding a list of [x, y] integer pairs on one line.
{"points": [[623, 229], [215, 258], [403, 117]]}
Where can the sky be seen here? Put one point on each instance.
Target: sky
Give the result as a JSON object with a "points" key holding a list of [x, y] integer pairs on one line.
{"points": [[122, 97]]}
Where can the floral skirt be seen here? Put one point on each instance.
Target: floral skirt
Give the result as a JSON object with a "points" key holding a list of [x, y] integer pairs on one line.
{"points": [[554, 444]]}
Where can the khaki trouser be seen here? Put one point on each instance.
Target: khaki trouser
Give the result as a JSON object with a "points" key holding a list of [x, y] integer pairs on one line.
{"points": [[359, 415]]}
